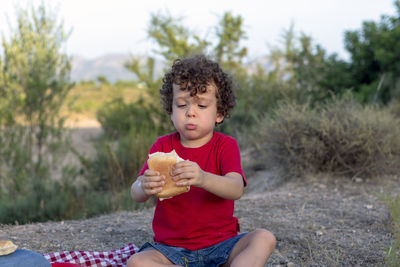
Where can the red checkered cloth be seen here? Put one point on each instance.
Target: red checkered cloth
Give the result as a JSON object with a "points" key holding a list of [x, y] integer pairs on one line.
{"points": [[113, 258]]}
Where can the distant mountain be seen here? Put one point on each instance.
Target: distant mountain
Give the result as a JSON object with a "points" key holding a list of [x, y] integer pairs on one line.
{"points": [[110, 66], [262, 61]]}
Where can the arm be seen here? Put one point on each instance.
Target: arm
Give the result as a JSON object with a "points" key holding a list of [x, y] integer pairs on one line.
{"points": [[229, 186]]}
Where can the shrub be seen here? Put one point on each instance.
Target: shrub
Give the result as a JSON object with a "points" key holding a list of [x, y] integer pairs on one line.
{"points": [[112, 171], [118, 118], [118, 161], [40, 202], [106, 202], [341, 137]]}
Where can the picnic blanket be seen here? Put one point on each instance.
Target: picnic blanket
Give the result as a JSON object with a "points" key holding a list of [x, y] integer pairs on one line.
{"points": [[113, 258]]}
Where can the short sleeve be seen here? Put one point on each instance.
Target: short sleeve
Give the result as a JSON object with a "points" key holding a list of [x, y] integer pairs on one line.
{"points": [[230, 158]]}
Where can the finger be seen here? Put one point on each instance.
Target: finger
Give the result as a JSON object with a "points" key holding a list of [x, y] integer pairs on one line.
{"points": [[149, 172], [150, 185], [184, 175], [181, 170], [184, 182], [183, 164], [157, 178], [153, 191]]}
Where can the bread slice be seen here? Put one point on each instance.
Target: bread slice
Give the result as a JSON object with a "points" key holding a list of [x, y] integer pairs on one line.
{"points": [[7, 247], [163, 163]]}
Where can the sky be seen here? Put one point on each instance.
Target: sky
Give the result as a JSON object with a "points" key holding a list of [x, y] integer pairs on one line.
{"points": [[101, 27]]}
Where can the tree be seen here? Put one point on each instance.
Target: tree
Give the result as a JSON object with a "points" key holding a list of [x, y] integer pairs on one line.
{"points": [[228, 50], [375, 58], [174, 40], [34, 82]]}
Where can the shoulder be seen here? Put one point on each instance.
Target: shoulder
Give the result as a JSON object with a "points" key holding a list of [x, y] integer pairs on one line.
{"points": [[225, 144], [167, 137], [224, 139], [165, 143]]}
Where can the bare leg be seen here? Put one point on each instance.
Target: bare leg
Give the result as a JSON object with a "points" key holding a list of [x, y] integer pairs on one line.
{"points": [[253, 249], [149, 258]]}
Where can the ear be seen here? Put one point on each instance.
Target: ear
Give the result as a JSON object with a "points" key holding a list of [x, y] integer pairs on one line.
{"points": [[219, 118]]}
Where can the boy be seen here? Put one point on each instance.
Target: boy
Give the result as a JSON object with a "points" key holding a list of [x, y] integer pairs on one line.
{"points": [[197, 228]]}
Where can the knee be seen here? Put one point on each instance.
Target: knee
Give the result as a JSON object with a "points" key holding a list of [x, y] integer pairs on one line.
{"points": [[265, 238], [135, 261]]}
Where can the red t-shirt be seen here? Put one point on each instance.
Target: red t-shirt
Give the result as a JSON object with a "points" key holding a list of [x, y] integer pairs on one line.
{"points": [[198, 219]]}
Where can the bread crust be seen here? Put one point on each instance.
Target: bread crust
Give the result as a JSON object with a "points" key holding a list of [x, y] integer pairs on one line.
{"points": [[7, 247], [163, 163]]}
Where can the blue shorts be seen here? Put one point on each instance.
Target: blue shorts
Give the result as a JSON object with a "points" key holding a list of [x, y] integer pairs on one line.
{"points": [[211, 256], [23, 258]]}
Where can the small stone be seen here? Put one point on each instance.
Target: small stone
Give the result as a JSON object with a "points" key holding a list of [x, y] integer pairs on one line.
{"points": [[368, 206], [318, 233], [358, 180], [109, 230], [290, 264]]}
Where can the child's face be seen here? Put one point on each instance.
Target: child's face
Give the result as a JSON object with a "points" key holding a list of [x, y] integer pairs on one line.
{"points": [[194, 117]]}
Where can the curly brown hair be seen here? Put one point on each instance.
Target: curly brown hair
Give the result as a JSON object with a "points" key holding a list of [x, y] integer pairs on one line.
{"points": [[193, 74]]}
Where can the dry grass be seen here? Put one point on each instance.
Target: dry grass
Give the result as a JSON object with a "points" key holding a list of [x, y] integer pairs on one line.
{"points": [[341, 137], [84, 100]]}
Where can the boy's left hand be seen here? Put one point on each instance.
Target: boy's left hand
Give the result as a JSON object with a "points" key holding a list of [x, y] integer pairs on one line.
{"points": [[189, 173]]}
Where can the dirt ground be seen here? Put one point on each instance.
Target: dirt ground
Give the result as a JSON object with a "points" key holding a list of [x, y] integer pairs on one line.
{"points": [[318, 221]]}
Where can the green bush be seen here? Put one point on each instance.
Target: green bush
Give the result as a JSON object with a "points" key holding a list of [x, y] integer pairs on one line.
{"points": [[40, 202], [118, 118], [257, 94], [112, 171], [129, 131], [118, 161], [97, 202], [341, 137]]}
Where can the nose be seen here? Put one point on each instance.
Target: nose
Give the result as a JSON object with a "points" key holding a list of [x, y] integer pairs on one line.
{"points": [[190, 112]]}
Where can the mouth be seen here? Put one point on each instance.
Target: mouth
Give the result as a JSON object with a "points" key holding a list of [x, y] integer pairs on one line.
{"points": [[190, 126]]}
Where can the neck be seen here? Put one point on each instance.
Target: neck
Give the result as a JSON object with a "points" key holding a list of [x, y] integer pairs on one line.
{"points": [[196, 143]]}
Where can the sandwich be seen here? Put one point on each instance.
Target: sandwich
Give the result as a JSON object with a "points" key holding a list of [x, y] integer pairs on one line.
{"points": [[163, 163], [7, 247]]}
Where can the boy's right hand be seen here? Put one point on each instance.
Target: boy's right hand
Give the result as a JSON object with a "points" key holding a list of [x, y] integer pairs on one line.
{"points": [[152, 182]]}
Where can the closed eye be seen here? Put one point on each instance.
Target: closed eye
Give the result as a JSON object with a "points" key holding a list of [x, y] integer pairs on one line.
{"points": [[181, 106], [202, 106]]}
